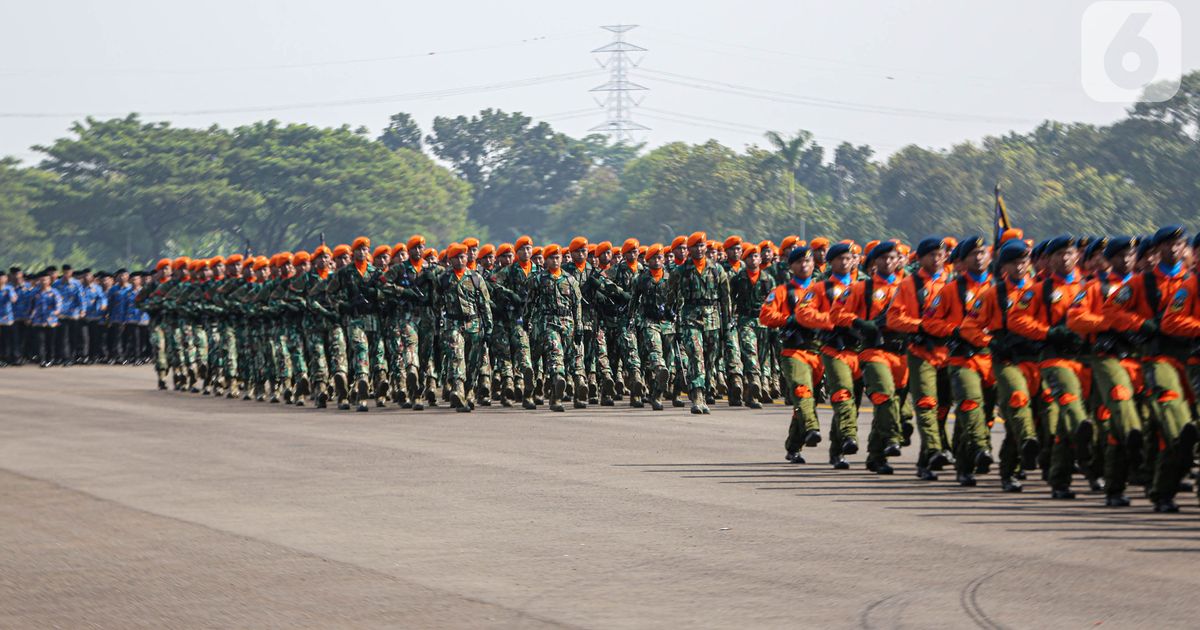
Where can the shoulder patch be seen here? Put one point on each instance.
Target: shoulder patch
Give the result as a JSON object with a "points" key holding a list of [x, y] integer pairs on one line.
{"points": [[1026, 299], [771, 297], [1179, 299], [878, 295], [1056, 296], [1079, 298], [1124, 295]]}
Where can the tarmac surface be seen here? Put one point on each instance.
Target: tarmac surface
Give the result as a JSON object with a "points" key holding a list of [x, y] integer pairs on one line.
{"points": [[126, 507]]}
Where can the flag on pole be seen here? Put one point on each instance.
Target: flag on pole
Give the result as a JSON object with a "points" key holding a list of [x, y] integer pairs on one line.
{"points": [[1001, 219]]}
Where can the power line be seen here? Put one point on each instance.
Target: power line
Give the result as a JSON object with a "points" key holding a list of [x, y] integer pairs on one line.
{"points": [[293, 66], [700, 83], [391, 98], [697, 121], [619, 89]]}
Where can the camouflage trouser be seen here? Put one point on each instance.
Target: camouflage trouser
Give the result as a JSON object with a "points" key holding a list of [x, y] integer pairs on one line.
{"points": [[158, 341], [557, 352], [365, 351], [339, 361], [754, 347], [429, 349], [702, 348], [657, 347], [464, 351], [593, 353], [229, 353], [509, 345], [265, 353], [216, 349], [393, 344], [294, 337], [623, 353], [731, 358], [318, 365], [281, 355], [245, 352]]}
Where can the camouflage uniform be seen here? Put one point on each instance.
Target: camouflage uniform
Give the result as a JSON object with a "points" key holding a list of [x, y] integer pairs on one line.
{"points": [[702, 299], [360, 298], [557, 312], [464, 306], [405, 302], [622, 338], [747, 296], [510, 338], [652, 315], [592, 346]]}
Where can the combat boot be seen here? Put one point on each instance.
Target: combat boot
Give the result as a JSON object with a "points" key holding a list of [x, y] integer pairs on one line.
{"points": [[696, 396], [636, 390], [191, 381], [720, 390], [341, 391], [607, 392], [556, 394], [362, 392], [381, 390], [526, 391], [162, 379], [580, 390], [735, 390], [592, 388], [276, 387], [458, 397], [675, 394]]}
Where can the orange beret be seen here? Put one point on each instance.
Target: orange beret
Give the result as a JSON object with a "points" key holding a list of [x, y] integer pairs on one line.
{"points": [[216, 260], [696, 238], [321, 249], [442, 256], [341, 250], [712, 244], [361, 241], [732, 241], [381, 250], [196, 265], [578, 242], [470, 242], [416, 241], [902, 248], [677, 241], [397, 247], [522, 242], [429, 252], [180, 263], [749, 248], [537, 251], [1010, 234], [820, 243], [455, 249], [261, 262], [869, 246], [855, 249], [486, 250], [604, 246], [654, 250], [234, 259], [789, 241], [642, 250], [591, 249], [950, 242], [282, 258], [162, 264], [762, 246], [301, 257], [629, 245], [550, 250], [505, 248]]}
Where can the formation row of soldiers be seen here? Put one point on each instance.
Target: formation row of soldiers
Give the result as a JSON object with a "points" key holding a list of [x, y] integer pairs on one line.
{"points": [[63, 317], [1085, 348]]}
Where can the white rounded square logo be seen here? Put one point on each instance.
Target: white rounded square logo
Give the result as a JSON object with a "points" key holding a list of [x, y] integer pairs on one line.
{"points": [[1127, 47]]}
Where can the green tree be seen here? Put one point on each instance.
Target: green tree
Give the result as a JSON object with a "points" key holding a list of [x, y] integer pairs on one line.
{"points": [[402, 132], [21, 190]]}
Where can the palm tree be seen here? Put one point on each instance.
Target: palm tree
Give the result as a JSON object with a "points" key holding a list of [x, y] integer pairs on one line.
{"points": [[787, 156]]}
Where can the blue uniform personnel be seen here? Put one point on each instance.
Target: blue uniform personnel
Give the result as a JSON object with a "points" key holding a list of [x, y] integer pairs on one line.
{"points": [[120, 300], [95, 302], [71, 291], [24, 302], [46, 309], [8, 296]]}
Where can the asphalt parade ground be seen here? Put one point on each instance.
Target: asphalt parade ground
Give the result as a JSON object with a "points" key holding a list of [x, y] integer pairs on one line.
{"points": [[125, 507]]}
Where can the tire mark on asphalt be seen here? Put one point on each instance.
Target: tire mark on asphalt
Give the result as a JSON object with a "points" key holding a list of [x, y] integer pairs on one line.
{"points": [[894, 603], [968, 598]]}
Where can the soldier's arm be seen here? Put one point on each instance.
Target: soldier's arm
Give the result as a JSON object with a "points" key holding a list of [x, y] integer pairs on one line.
{"points": [[981, 318], [1086, 314], [1025, 317], [1183, 319], [946, 317], [846, 309], [774, 312]]}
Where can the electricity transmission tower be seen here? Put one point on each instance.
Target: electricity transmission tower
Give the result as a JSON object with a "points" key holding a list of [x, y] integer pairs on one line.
{"points": [[618, 99]]}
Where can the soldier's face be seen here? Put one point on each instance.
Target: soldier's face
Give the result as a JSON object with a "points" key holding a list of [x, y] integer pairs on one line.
{"points": [[842, 264], [414, 252], [1064, 260], [382, 260], [679, 252], [802, 267], [1174, 251], [525, 253], [734, 253], [656, 261], [459, 261], [554, 262], [819, 256], [506, 258], [578, 256], [362, 253], [488, 261], [753, 260], [697, 251], [605, 257], [630, 255], [44, 282], [472, 252], [537, 260], [303, 267], [1123, 263], [979, 259]]}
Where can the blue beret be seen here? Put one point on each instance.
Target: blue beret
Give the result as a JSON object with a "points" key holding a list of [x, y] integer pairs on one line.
{"points": [[1058, 243], [1097, 245], [968, 245], [1144, 244], [1168, 234], [797, 253], [837, 249], [1118, 244], [1039, 249], [885, 247], [1013, 250], [930, 245]]}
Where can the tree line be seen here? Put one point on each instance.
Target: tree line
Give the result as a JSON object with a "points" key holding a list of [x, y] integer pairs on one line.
{"points": [[125, 191]]}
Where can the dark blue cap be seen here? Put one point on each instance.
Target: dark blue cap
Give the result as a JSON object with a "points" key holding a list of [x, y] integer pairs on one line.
{"points": [[1058, 243], [885, 247], [1039, 249], [1118, 244], [797, 253], [1096, 246], [930, 245], [1013, 250], [837, 249], [968, 245], [1168, 234]]}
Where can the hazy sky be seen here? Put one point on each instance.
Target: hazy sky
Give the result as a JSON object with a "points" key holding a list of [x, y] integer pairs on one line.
{"points": [[930, 72]]}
